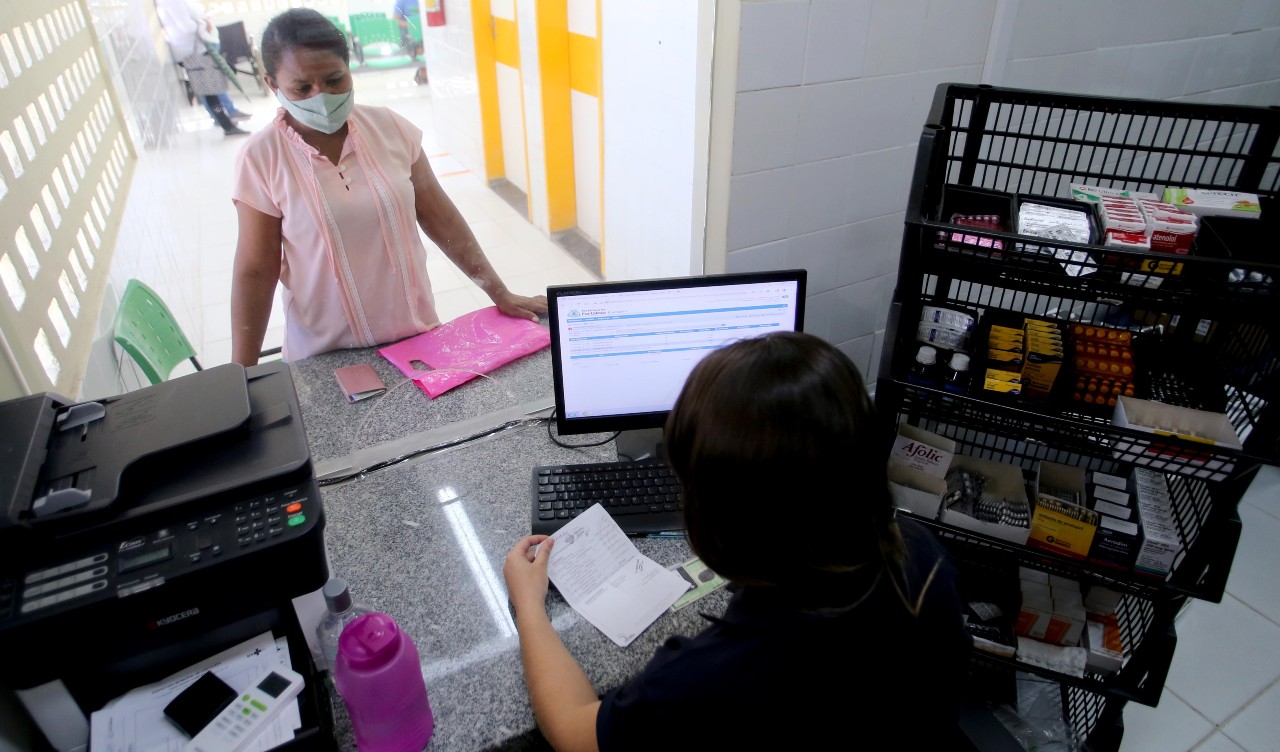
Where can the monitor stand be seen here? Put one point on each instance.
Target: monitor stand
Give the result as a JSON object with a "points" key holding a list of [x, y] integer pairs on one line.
{"points": [[645, 443]]}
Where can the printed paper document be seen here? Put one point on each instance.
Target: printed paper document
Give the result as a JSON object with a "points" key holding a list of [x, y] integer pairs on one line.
{"points": [[604, 577]]}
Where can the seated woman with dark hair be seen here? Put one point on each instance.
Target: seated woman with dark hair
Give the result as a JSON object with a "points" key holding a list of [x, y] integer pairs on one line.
{"points": [[844, 622], [330, 197]]}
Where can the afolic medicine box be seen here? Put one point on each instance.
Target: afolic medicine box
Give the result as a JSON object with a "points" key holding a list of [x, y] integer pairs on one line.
{"points": [[918, 464]]}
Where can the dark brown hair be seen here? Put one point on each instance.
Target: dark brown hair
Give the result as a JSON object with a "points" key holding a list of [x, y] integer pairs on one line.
{"points": [[782, 420], [300, 27]]}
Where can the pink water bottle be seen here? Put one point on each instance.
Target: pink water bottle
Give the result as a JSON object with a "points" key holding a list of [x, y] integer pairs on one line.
{"points": [[379, 677]]}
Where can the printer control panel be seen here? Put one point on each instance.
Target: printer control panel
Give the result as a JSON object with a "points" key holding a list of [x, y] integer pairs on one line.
{"points": [[149, 559]]}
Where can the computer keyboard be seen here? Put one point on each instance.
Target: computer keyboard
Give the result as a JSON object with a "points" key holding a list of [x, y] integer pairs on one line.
{"points": [[643, 496]]}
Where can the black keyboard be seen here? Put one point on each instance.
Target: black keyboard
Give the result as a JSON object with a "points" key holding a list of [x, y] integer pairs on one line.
{"points": [[643, 497]]}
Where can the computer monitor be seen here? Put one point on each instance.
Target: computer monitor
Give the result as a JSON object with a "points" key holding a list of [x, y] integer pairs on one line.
{"points": [[621, 351]]}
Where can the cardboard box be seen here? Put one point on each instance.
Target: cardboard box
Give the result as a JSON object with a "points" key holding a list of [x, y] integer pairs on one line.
{"points": [[1004, 481], [1066, 622], [1161, 419], [1161, 542], [918, 464], [918, 449], [1116, 542], [1058, 525], [918, 493], [1034, 615], [1103, 641], [1193, 427], [1102, 600]]}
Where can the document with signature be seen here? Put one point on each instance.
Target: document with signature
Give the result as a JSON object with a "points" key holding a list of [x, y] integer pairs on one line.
{"points": [[604, 577]]}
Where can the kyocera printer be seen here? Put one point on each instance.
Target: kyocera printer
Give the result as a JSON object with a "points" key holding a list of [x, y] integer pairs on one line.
{"points": [[143, 533]]}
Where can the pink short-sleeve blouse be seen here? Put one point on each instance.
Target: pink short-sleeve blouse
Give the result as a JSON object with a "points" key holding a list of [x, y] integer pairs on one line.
{"points": [[354, 267]]}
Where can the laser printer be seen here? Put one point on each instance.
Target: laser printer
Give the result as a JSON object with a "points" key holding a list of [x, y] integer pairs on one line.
{"points": [[143, 533]]}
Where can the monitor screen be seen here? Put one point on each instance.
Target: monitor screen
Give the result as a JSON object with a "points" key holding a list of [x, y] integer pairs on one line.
{"points": [[621, 351]]}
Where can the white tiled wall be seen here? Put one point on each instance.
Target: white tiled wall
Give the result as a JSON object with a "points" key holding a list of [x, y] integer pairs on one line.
{"points": [[450, 54], [832, 95], [649, 60]]}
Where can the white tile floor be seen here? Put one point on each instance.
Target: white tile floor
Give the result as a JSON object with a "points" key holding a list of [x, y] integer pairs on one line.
{"points": [[1223, 690]]}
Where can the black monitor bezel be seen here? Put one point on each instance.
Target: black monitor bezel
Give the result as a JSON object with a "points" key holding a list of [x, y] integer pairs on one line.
{"points": [[638, 421]]}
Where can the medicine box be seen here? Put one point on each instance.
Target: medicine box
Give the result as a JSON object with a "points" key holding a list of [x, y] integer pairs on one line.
{"points": [[1004, 481], [918, 464], [1192, 427], [1103, 641], [1160, 539], [1116, 542], [1060, 522]]}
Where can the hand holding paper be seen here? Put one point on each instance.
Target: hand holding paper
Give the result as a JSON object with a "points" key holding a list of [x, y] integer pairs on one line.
{"points": [[604, 577]]}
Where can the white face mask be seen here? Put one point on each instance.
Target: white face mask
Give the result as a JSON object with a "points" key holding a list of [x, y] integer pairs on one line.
{"points": [[324, 112]]}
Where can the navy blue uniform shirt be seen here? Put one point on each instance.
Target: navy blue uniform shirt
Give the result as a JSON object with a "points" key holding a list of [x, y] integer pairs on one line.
{"points": [[772, 672]]}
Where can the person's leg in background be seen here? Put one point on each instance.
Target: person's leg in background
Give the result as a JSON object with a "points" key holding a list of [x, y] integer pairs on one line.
{"points": [[214, 105], [232, 111]]}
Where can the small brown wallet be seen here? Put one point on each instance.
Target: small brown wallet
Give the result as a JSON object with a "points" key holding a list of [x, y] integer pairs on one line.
{"points": [[359, 382]]}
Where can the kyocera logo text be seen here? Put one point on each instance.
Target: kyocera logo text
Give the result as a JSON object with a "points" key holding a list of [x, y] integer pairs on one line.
{"points": [[166, 621]]}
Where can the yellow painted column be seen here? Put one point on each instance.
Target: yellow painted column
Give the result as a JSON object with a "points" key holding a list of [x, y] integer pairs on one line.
{"points": [[557, 112], [485, 30]]}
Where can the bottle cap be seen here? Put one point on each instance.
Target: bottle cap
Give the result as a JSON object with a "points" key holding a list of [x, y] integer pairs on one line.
{"points": [[336, 595], [370, 641], [927, 355], [959, 362]]}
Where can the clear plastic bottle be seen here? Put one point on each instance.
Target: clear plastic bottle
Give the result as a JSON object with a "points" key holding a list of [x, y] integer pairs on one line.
{"points": [[342, 611]]}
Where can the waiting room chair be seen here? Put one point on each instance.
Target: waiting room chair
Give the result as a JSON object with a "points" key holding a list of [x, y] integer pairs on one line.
{"points": [[237, 47], [146, 329]]}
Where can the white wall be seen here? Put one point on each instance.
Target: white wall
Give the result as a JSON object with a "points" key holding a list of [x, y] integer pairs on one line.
{"points": [[451, 67], [650, 57], [832, 94]]}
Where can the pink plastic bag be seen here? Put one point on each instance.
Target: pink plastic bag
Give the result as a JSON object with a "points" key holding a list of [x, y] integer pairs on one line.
{"points": [[472, 344]]}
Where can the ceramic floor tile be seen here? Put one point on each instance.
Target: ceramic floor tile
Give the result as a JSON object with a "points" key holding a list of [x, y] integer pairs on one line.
{"points": [[453, 303], [1257, 727], [1173, 726], [1257, 559], [214, 258], [1264, 493], [489, 234], [215, 288], [1226, 654], [216, 321], [513, 259], [1220, 742]]}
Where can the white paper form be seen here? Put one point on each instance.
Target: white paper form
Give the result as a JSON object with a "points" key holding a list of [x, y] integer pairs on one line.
{"points": [[604, 577], [135, 722]]}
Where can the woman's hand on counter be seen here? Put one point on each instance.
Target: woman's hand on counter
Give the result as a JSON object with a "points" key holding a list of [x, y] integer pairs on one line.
{"points": [[525, 571]]}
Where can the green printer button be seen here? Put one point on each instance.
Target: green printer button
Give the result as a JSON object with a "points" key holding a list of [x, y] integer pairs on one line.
{"points": [[297, 519]]}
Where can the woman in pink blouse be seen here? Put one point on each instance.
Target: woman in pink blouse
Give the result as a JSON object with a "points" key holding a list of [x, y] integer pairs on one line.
{"points": [[330, 197]]}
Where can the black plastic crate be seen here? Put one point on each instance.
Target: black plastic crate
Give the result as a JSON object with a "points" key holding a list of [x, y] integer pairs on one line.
{"points": [[990, 576], [1252, 242], [1023, 142], [1204, 509]]}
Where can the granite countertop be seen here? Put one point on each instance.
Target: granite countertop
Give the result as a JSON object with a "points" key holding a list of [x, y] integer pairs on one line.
{"points": [[424, 541]]}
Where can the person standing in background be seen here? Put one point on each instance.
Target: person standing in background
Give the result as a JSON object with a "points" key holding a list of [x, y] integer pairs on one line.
{"points": [[330, 197], [186, 27]]}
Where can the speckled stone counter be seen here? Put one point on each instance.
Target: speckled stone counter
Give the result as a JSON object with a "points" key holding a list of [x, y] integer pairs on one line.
{"points": [[424, 541]]}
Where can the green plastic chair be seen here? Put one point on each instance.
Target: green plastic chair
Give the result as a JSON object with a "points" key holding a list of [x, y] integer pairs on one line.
{"points": [[146, 329]]}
